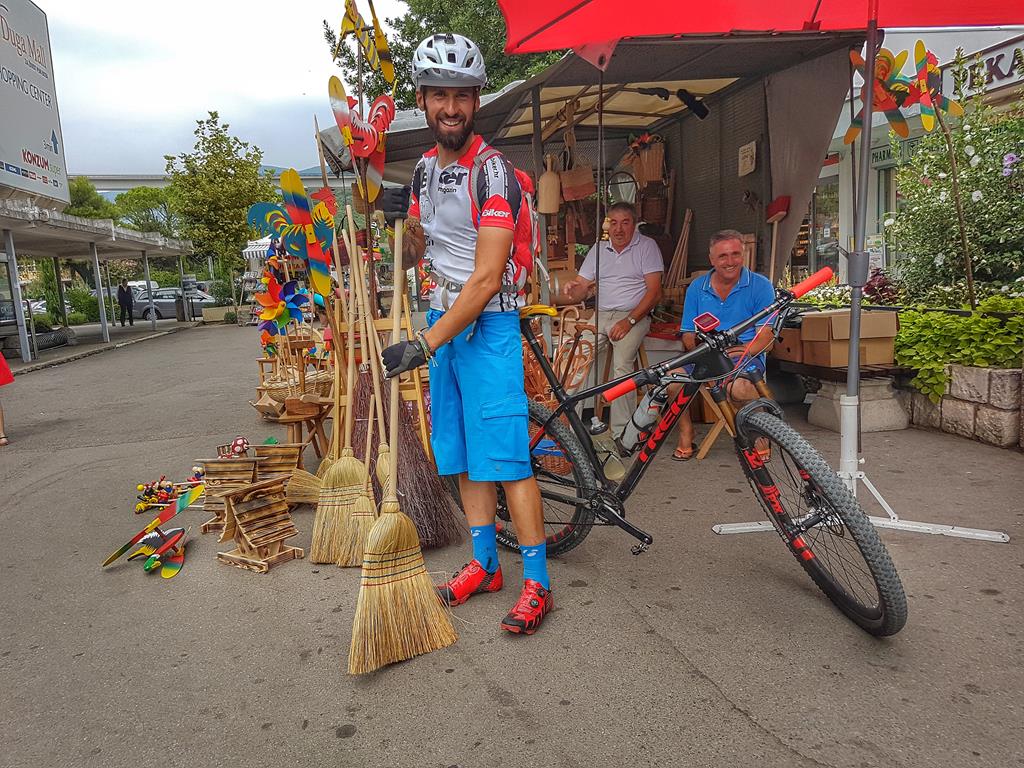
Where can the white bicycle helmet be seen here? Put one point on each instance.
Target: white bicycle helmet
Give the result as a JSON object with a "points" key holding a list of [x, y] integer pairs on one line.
{"points": [[448, 61]]}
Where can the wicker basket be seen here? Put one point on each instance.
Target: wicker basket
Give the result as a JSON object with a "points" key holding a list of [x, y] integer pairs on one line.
{"points": [[649, 164], [317, 383]]}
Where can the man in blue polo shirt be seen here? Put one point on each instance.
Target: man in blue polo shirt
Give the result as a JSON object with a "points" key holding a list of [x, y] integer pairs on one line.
{"points": [[732, 293]]}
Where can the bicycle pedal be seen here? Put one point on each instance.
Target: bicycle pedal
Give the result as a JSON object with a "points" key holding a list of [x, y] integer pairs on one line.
{"points": [[640, 548]]}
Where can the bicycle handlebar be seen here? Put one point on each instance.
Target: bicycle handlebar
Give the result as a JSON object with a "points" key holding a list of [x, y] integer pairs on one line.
{"points": [[808, 284], [655, 372]]}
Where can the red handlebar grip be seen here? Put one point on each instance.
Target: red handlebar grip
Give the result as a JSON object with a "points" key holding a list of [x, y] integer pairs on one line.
{"points": [[619, 390], [809, 284]]}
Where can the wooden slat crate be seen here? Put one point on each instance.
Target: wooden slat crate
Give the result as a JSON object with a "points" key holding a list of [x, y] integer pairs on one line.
{"points": [[278, 460], [221, 476], [257, 520]]}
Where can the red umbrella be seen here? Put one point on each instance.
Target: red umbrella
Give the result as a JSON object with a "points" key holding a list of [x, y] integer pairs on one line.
{"points": [[547, 25]]}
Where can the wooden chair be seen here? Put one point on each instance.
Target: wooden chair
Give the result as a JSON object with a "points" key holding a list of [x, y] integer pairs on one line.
{"points": [[258, 521]]}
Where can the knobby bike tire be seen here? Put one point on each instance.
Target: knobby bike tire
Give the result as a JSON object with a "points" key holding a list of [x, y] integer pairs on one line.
{"points": [[560, 463], [859, 577]]}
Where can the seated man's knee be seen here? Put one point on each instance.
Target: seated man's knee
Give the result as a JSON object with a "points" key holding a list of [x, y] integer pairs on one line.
{"points": [[743, 389]]}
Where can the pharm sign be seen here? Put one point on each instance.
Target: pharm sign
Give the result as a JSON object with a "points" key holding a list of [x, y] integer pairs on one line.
{"points": [[31, 143]]}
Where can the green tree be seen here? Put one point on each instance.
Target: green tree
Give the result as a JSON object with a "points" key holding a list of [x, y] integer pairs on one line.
{"points": [[87, 202], [149, 209], [213, 187], [479, 20]]}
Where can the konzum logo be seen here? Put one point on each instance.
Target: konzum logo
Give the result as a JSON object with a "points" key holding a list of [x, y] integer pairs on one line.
{"points": [[31, 158], [27, 46]]}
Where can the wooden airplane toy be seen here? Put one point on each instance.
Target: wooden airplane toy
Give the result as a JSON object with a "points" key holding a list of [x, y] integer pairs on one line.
{"points": [[161, 548]]}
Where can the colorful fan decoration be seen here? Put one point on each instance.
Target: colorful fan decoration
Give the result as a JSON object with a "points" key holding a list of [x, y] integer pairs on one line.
{"points": [[305, 225], [375, 49], [926, 88], [364, 138], [890, 90]]}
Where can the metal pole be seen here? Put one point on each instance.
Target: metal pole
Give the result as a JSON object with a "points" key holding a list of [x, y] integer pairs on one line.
{"points": [[32, 329], [857, 268], [60, 291], [99, 292], [538, 169], [19, 311], [149, 290], [110, 296]]}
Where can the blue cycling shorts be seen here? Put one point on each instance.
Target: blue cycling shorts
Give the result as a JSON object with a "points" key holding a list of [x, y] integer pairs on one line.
{"points": [[478, 405]]}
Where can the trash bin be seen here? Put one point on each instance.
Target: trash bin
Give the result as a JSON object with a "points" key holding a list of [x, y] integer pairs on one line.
{"points": [[179, 309]]}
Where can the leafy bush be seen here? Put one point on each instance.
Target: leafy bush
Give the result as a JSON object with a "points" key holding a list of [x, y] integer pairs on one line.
{"points": [[221, 292], [989, 150], [83, 303], [42, 321], [77, 318], [882, 289], [928, 341], [954, 296], [829, 295], [230, 318]]}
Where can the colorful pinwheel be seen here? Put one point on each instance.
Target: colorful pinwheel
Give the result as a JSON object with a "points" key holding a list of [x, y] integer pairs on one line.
{"points": [[305, 226], [926, 88], [889, 90], [364, 138]]}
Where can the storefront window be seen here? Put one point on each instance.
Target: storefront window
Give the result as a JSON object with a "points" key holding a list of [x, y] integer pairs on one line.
{"points": [[824, 250]]}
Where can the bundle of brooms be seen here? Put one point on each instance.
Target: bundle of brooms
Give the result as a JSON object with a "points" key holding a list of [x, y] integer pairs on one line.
{"points": [[398, 613]]}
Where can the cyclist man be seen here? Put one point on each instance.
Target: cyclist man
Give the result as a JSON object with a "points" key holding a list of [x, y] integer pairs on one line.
{"points": [[478, 401], [732, 293]]}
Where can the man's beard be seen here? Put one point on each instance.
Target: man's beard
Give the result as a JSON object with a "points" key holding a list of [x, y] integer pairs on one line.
{"points": [[450, 141]]}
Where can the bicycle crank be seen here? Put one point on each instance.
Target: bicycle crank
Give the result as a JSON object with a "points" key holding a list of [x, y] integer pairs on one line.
{"points": [[609, 509]]}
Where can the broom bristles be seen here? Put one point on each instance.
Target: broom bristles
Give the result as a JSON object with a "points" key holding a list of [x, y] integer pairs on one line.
{"points": [[357, 524], [341, 487], [303, 488], [398, 614], [326, 464]]}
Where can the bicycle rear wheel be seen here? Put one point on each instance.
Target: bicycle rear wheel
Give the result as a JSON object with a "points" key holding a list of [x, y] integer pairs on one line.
{"points": [[561, 467], [824, 527]]}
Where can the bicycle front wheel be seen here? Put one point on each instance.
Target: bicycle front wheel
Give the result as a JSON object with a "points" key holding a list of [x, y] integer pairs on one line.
{"points": [[823, 526]]}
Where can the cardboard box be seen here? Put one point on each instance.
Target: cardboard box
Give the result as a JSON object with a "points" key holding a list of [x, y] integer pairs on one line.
{"points": [[789, 346], [835, 324], [825, 338], [836, 354]]}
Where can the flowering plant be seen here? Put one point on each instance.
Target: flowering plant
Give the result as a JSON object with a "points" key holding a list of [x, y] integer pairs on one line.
{"points": [[637, 144]]}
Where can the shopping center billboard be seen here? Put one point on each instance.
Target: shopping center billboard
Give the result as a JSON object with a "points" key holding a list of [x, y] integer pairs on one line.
{"points": [[31, 144]]}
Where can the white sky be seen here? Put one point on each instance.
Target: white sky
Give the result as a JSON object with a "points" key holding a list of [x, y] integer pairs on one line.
{"points": [[133, 76]]}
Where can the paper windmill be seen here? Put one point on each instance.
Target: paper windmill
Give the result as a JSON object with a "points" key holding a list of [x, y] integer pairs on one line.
{"points": [[305, 226], [926, 88], [889, 89]]}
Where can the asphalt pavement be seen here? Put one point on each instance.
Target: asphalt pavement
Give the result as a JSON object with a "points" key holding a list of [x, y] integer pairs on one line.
{"points": [[706, 651]]}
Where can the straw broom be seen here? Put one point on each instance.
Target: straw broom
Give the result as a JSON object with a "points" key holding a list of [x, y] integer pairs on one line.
{"points": [[371, 349], [363, 514], [343, 481], [398, 614]]}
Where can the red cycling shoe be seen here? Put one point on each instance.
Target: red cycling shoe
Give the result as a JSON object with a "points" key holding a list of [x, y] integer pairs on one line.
{"points": [[527, 614], [468, 582]]}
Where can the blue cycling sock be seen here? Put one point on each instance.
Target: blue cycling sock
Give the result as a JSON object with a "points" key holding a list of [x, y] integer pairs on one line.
{"points": [[485, 546], [535, 564]]}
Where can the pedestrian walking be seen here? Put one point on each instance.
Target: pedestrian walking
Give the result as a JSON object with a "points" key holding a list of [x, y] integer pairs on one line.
{"points": [[126, 301]]}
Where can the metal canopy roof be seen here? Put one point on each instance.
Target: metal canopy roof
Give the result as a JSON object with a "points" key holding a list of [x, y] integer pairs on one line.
{"points": [[47, 233]]}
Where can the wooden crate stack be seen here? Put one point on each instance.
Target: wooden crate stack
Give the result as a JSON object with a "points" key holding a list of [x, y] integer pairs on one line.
{"points": [[222, 476], [277, 460], [257, 520]]}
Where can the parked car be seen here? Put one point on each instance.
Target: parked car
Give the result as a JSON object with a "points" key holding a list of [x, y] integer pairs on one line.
{"points": [[163, 303]]}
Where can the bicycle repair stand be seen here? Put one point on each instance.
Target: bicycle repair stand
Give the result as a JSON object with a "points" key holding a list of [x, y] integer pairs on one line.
{"points": [[850, 461]]}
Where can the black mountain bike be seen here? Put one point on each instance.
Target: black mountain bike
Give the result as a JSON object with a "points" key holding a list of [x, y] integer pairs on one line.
{"points": [[813, 511]]}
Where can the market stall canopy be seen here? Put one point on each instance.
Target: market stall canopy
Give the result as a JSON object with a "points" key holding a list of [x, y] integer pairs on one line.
{"points": [[550, 25], [704, 67]]}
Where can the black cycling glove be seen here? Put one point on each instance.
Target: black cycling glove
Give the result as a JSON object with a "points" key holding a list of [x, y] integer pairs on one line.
{"points": [[394, 202], [402, 357]]}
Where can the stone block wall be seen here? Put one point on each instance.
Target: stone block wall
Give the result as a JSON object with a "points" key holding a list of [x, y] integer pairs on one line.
{"points": [[985, 404]]}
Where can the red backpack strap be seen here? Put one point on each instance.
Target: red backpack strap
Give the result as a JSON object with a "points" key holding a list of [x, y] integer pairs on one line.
{"points": [[474, 173]]}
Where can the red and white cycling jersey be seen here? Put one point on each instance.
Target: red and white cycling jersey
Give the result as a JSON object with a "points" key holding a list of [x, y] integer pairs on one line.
{"points": [[450, 219]]}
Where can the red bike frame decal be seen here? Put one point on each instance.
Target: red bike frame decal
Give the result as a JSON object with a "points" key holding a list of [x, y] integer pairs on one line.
{"points": [[664, 426]]}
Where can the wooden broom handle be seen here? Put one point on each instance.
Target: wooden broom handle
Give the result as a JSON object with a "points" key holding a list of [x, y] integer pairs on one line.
{"points": [[369, 330], [350, 386], [398, 290]]}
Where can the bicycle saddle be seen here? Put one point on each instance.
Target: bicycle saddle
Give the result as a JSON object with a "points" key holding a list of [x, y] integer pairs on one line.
{"points": [[536, 310]]}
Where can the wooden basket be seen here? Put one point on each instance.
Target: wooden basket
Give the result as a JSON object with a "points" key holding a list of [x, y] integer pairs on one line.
{"points": [[577, 183], [649, 165], [317, 383]]}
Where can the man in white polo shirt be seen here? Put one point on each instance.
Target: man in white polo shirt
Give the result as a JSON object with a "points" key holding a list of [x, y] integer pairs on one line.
{"points": [[630, 275]]}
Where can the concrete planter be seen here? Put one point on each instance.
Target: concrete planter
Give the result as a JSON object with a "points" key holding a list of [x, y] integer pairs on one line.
{"points": [[215, 314], [983, 404]]}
